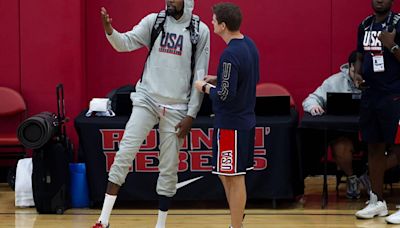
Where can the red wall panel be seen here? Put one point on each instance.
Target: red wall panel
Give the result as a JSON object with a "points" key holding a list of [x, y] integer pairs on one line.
{"points": [[345, 21], [52, 52], [107, 69], [293, 38], [9, 45], [300, 42], [9, 54]]}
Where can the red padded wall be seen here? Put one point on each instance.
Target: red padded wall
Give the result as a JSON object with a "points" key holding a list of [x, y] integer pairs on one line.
{"points": [[52, 52], [296, 40], [47, 42], [9, 46], [9, 54]]}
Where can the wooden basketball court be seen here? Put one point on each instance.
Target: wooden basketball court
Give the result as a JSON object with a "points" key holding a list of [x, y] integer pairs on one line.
{"points": [[305, 212]]}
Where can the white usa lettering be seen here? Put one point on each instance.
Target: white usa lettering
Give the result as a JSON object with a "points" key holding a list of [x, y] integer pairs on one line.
{"points": [[226, 74], [371, 41], [226, 161]]}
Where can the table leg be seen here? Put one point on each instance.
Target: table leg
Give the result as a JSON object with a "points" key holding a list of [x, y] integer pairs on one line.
{"points": [[324, 202], [274, 203]]}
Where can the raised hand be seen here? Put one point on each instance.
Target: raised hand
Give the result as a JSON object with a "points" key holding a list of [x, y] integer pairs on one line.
{"points": [[106, 19], [387, 38]]}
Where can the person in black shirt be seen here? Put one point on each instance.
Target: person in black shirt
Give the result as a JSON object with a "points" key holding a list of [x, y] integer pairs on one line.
{"points": [[378, 69]]}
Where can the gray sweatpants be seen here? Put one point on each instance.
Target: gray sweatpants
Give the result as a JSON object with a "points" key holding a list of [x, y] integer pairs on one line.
{"points": [[145, 115]]}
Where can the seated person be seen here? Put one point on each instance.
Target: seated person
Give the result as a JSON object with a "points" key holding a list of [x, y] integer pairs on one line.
{"points": [[342, 145]]}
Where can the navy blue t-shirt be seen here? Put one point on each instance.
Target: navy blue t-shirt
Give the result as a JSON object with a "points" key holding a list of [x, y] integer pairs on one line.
{"points": [[234, 97], [368, 42]]}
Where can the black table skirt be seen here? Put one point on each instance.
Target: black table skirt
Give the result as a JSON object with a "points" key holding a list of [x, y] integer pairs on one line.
{"points": [[276, 174]]}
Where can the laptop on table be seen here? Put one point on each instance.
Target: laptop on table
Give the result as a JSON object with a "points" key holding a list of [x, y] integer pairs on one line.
{"points": [[343, 103], [272, 106]]}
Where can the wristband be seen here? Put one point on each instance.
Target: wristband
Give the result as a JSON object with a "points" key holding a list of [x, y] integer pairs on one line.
{"points": [[394, 48]]}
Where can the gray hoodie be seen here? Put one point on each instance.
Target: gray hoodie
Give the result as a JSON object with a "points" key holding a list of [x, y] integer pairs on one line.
{"points": [[339, 82], [167, 73]]}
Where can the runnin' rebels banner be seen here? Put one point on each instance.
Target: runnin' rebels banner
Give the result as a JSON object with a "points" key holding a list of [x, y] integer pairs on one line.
{"points": [[195, 154], [275, 176]]}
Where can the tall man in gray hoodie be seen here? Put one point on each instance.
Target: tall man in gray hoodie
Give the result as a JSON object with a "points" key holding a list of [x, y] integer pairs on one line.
{"points": [[165, 95]]}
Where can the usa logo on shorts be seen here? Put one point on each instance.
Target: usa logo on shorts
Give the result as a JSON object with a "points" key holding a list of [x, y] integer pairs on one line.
{"points": [[227, 149], [226, 161]]}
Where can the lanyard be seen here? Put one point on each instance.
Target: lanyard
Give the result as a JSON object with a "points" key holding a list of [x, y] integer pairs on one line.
{"points": [[389, 18]]}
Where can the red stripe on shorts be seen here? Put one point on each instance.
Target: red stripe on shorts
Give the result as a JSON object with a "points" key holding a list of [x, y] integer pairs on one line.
{"points": [[227, 151], [397, 138]]}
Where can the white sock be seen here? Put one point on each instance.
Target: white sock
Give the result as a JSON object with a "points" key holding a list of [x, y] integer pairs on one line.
{"points": [[162, 218], [108, 205], [232, 226]]}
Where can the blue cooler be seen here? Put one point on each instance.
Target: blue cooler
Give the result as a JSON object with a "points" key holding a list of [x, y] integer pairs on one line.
{"points": [[79, 186]]}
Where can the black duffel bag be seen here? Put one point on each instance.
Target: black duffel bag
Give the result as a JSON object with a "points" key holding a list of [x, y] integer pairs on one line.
{"points": [[37, 130]]}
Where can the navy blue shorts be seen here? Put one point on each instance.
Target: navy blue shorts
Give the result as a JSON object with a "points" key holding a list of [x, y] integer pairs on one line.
{"points": [[379, 118], [233, 151]]}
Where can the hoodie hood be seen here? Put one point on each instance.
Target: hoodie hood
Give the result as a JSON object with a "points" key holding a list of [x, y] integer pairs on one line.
{"points": [[345, 68], [187, 11]]}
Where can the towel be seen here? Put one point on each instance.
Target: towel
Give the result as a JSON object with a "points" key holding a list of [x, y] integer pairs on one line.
{"points": [[23, 184]]}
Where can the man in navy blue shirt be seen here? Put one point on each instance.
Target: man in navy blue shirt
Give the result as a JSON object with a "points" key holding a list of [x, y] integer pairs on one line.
{"points": [[378, 63], [233, 99]]}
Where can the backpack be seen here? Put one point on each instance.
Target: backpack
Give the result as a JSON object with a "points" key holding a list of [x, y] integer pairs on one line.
{"points": [[194, 29], [120, 98]]}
